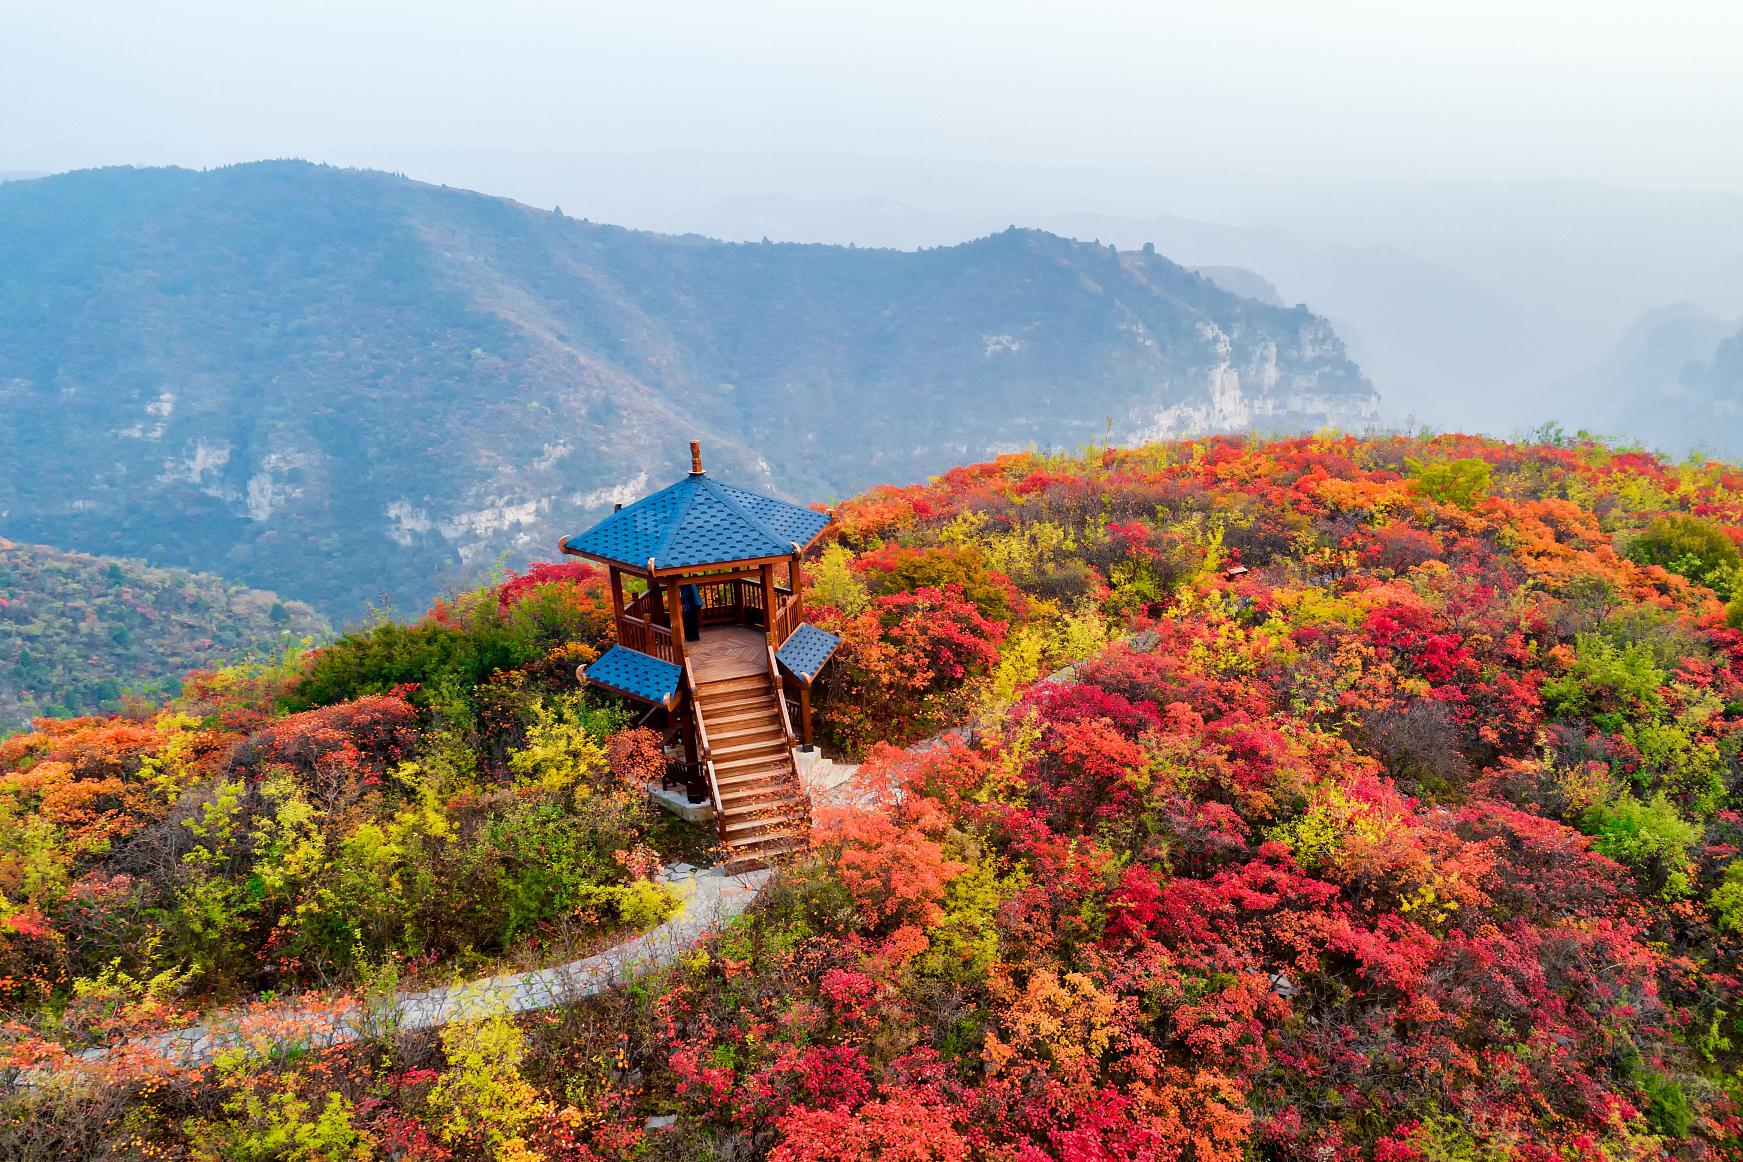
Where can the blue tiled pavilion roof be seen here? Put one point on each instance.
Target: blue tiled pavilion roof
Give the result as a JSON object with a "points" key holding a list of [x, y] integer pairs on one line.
{"points": [[806, 650], [634, 673], [698, 521]]}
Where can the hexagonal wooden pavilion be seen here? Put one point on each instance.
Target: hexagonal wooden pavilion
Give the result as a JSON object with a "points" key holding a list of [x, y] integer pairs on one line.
{"points": [[707, 590]]}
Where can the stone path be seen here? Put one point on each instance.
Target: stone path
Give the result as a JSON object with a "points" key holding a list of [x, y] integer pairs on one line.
{"points": [[710, 899]]}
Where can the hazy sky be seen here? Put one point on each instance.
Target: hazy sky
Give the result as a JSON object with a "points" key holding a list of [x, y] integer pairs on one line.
{"points": [[1646, 94]]}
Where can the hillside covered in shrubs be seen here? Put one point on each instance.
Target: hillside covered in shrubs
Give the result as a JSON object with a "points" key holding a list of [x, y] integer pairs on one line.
{"points": [[77, 631], [1381, 801]]}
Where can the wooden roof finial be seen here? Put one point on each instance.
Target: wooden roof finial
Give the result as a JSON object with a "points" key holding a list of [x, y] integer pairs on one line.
{"points": [[695, 457]]}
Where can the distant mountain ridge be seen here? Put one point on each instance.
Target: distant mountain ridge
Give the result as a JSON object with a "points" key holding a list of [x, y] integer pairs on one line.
{"points": [[344, 385], [1674, 379]]}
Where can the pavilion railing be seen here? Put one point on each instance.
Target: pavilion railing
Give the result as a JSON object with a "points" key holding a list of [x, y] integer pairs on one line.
{"points": [[788, 614], [637, 630], [726, 601], [739, 601]]}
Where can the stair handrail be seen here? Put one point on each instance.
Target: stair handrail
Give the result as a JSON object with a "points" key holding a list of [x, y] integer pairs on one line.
{"points": [[781, 700], [696, 711], [714, 794], [707, 747]]}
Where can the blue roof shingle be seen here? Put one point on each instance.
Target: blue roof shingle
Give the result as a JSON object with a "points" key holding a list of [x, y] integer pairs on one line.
{"points": [[698, 522], [806, 650], [637, 674]]}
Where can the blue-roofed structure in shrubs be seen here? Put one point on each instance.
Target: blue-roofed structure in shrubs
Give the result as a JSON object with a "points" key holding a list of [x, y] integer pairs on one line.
{"points": [[711, 635]]}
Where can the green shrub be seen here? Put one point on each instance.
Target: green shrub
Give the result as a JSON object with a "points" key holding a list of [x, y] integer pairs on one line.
{"points": [[1667, 1106], [1457, 482], [1690, 547], [268, 1120], [1651, 838], [831, 581], [1726, 901], [901, 570], [454, 653], [1606, 682], [549, 859]]}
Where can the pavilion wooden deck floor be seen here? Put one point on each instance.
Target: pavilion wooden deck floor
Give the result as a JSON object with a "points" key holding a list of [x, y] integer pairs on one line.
{"points": [[729, 651]]}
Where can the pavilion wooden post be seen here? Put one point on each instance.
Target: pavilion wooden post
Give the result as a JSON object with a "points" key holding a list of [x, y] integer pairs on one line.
{"points": [[805, 713], [617, 601], [675, 613], [770, 601]]}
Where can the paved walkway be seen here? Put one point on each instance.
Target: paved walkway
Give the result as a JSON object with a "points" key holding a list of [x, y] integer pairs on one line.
{"points": [[710, 899]]}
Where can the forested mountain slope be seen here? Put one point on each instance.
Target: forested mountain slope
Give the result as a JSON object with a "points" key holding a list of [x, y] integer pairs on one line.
{"points": [[342, 384], [77, 630]]}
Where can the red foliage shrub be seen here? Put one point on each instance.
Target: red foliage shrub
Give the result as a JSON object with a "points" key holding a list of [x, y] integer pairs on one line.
{"points": [[637, 756], [577, 574], [335, 750]]}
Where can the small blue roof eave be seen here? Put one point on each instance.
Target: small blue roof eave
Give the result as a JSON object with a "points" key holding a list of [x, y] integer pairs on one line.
{"points": [[695, 523], [806, 651], [636, 675]]}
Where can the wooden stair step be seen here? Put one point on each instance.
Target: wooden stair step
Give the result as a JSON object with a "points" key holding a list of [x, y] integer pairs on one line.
{"points": [[757, 737], [739, 760], [755, 858], [740, 721], [762, 856], [719, 707], [748, 792], [739, 778], [782, 800], [741, 830], [776, 747], [732, 685], [753, 772], [784, 824], [748, 729], [768, 845]]}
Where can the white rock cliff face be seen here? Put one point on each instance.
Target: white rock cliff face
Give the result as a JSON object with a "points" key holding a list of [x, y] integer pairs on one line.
{"points": [[1255, 393]]}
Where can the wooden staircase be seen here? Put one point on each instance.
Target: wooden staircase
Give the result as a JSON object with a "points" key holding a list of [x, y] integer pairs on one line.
{"points": [[763, 811]]}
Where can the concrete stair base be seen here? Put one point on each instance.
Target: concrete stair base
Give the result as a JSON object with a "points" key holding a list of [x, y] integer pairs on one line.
{"points": [[678, 803]]}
